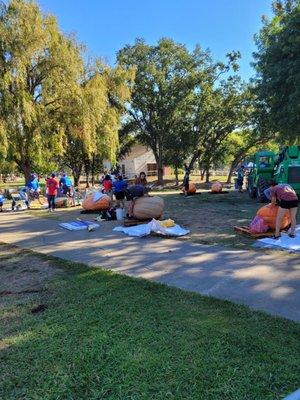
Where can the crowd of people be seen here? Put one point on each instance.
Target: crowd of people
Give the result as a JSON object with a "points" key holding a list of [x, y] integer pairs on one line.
{"points": [[115, 186]]}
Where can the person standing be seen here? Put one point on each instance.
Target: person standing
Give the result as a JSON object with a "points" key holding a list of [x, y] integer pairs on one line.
{"points": [[119, 187], [240, 178], [287, 199], [186, 181], [107, 185], [52, 186], [66, 185]]}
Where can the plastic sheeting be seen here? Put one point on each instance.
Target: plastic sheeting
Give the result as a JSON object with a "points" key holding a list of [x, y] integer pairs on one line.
{"points": [[284, 242], [78, 225], [153, 226]]}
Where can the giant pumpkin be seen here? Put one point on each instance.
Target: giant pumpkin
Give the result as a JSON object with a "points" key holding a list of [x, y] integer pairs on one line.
{"points": [[61, 202], [216, 187], [148, 207], [269, 214], [96, 201], [192, 188]]}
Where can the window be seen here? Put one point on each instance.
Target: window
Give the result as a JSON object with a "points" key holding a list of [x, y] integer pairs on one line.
{"points": [[152, 169]]}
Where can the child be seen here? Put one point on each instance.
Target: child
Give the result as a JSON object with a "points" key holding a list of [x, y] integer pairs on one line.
{"points": [[107, 186], [119, 187]]}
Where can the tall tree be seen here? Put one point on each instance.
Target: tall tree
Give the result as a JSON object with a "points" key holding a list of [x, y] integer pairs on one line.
{"points": [[93, 121], [220, 108], [165, 75], [277, 63], [39, 72], [167, 78]]}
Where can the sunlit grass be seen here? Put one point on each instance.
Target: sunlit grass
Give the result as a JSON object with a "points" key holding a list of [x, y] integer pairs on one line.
{"points": [[107, 336]]}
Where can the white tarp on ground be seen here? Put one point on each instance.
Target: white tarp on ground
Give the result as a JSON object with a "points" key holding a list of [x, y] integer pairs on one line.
{"points": [[153, 226], [284, 242]]}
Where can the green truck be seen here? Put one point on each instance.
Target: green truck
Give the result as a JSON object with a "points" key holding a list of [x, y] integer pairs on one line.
{"points": [[283, 168]]}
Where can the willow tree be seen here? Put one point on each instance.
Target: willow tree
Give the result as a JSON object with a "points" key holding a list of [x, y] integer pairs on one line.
{"points": [[92, 120], [39, 73]]}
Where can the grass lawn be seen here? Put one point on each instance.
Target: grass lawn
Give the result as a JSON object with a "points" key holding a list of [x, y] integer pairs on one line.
{"points": [[107, 336]]}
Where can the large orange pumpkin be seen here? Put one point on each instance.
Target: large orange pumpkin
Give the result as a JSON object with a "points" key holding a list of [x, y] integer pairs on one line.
{"points": [[96, 201], [269, 214], [192, 188], [147, 207], [61, 202], [216, 187]]}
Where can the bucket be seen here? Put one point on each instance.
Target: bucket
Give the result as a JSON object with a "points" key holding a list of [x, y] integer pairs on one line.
{"points": [[120, 214]]}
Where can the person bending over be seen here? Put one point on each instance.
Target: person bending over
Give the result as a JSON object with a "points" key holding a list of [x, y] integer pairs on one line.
{"points": [[285, 196], [133, 193]]}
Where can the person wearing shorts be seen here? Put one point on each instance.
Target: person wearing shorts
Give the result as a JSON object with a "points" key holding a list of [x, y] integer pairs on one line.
{"points": [[287, 199], [119, 187], [133, 193]]}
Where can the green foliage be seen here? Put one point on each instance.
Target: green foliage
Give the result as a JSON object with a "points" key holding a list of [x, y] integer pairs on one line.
{"points": [[39, 72], [175, 94], [277, 63]]}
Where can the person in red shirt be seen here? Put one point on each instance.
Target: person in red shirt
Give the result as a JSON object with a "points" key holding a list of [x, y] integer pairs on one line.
{"points": [[52, 186], [107, 185], [287, 199]]}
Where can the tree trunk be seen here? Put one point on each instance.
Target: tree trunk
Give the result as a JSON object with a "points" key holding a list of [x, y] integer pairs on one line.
{"points": [[87, 179], [176, 175], [27, 173], [202, 174], [232, 167], [93, 170], [207, 174], [160, 167], [76, 172]]}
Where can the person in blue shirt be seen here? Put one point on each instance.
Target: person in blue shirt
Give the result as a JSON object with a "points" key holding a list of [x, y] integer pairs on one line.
{"points": [[1, 201], [66, 184], [33, 185], [119, 187]]}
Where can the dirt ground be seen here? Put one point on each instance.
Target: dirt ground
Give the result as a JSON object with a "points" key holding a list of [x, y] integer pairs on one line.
{"points": [[23, 276], [209, 217]]}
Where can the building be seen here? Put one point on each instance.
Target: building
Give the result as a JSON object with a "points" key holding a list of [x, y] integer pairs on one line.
{"points": [[140, 159]]}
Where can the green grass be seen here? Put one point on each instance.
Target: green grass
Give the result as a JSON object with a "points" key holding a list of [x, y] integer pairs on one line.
{"points": [[107, 336]]}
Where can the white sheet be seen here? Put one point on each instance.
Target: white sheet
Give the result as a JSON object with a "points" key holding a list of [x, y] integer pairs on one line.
{"points": [[153, 226], [285, 242]]}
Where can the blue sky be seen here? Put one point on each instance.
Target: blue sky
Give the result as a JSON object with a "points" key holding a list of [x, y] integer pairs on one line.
{"points": [[105, 26]]}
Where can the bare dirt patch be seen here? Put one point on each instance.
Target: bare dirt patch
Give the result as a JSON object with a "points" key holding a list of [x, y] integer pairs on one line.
{"points": [[23, 275]]}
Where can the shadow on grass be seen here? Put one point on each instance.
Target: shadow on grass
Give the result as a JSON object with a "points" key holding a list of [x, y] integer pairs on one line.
{"points": [[107, 336]]}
